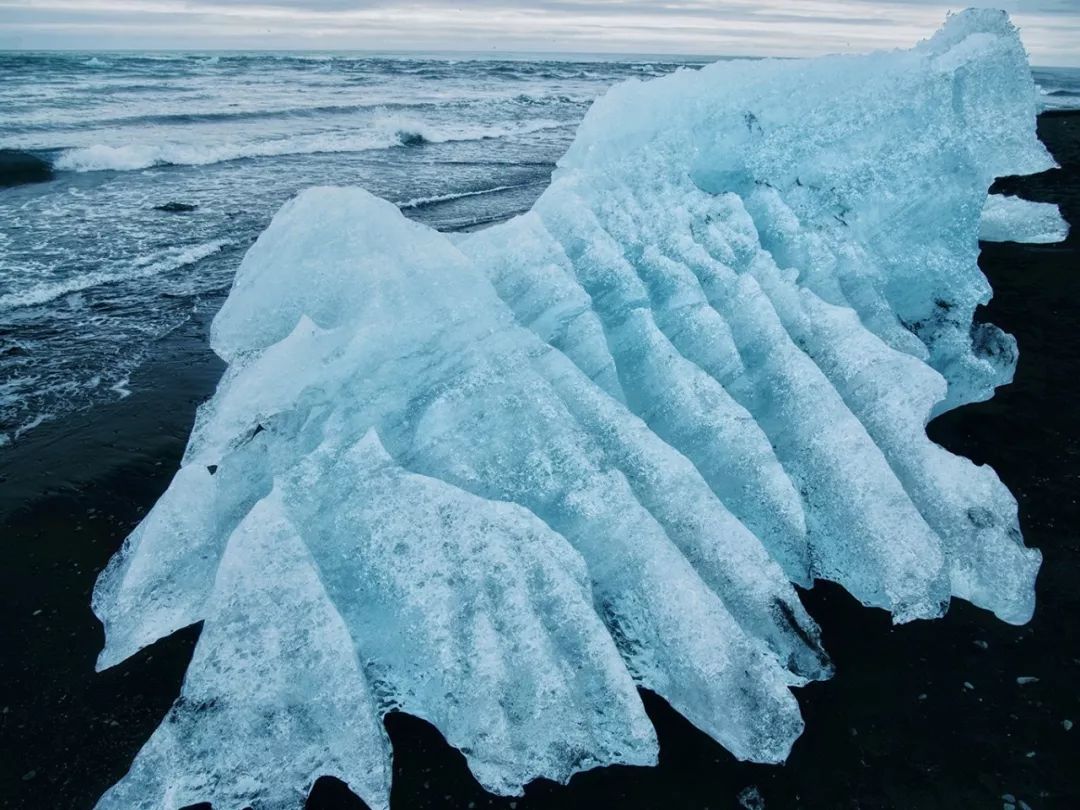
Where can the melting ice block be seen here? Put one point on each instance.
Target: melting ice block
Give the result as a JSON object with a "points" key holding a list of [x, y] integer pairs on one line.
{"points": [[499, 481], [1011, 219]]}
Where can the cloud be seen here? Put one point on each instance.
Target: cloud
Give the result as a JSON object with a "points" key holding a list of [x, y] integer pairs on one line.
{"points": [[1051, 28]]}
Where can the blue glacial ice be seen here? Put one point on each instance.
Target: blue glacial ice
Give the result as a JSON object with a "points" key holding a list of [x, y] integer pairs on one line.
{"points": [[1012, 219], [501, 480]]}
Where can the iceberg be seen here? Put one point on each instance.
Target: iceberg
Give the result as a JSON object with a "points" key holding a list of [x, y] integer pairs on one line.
{"points": [[501, 480]]}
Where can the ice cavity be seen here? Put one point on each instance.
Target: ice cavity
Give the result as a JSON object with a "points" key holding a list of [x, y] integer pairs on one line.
{"points": [[499, 481]]}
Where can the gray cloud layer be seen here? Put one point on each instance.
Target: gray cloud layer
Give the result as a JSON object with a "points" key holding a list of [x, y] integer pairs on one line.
{"points": [[1051, 28]]}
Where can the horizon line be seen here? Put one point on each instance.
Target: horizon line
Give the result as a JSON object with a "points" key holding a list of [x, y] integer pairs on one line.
{"points": [[704, 57], [494, 50]]}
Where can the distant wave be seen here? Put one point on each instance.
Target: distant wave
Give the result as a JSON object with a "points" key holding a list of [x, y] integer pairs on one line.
{"points": [[384, 134], [244, 115], [1051, 90], [162, 262], [420, 202], [1055, 97], [301, 112], [542, 100]]}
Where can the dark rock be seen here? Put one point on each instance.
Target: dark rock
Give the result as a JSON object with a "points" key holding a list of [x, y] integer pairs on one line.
{"points": [[409, 138], [176, 207], [17, 168]]}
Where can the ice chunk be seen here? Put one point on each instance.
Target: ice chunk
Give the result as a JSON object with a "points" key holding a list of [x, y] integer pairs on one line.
{"points": [[779, 283], [498, 481], [498, 615], [160, 580], [457, 366], [1012, 219], [274, 697]]}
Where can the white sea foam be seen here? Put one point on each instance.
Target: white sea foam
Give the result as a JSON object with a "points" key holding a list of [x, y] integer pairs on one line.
{"points": [[1059, 88], [417, 202], [121, 388], [1058, 98], [385, 133], [161, 262]]}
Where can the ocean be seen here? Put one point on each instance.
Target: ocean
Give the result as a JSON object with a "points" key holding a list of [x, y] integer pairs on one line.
{"points": [[166, 167]]}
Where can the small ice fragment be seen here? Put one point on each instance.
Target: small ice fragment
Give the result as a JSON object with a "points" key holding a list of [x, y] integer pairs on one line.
{"points": [[982, 645], [968, 685], [1067, 725], [750, 798], [1024, 680], [1012, 219]]}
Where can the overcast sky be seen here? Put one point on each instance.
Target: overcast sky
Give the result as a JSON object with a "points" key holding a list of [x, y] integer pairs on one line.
{"points": [[1051, 28]]}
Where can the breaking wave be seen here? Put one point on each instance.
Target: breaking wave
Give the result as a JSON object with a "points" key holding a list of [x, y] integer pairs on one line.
{"points": [[420, 202], [164, 261], [387, 133]]}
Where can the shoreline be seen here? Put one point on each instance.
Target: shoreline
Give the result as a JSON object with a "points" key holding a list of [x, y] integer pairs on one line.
{"points": [[898, 726]]}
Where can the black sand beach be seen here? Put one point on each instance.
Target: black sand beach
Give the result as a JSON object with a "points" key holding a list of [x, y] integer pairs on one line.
{"points": [[928, 715]]}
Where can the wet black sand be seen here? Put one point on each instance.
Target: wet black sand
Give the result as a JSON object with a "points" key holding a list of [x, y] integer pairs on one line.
{"points": [[928, 715]]}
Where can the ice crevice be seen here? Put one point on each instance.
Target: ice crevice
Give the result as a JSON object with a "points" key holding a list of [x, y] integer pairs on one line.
{"points": [[501, 480]]}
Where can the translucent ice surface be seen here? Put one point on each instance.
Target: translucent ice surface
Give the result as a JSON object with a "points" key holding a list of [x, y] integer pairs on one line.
{"points": [[1011, 219], [501, 480]]}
